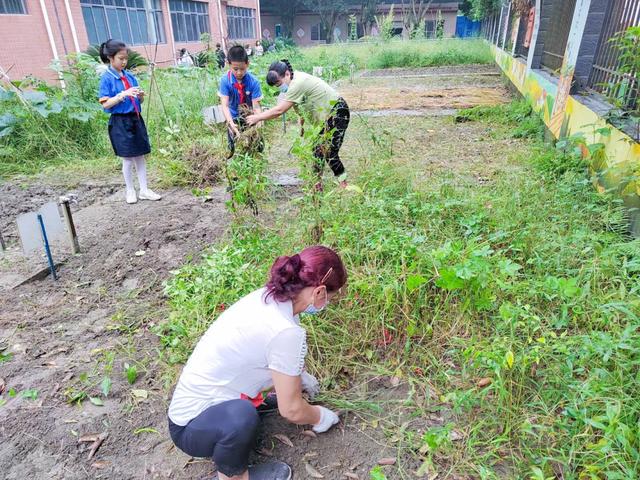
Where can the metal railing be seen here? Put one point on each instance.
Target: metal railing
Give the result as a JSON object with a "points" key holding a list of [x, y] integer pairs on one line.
{"points": [[556, 36], [605, 76]]}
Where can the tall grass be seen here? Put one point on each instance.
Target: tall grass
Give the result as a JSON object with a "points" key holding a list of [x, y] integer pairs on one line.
{"points": [[403, 53], [517, 303]]}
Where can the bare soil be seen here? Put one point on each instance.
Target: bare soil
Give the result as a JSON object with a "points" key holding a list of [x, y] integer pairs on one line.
{"points": [[62, 338]]}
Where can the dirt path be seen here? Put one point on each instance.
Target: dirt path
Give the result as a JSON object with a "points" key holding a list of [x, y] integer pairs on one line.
{"points": [[60, 340]]}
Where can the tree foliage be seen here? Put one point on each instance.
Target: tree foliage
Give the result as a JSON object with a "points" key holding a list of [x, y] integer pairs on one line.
{"points": [[329, 11], [479, 9]]}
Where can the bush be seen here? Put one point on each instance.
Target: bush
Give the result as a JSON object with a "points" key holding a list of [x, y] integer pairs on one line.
{"points": [[136, 59]]}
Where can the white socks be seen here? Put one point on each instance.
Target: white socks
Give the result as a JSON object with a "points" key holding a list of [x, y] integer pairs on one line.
{"points": [[141, 170]]}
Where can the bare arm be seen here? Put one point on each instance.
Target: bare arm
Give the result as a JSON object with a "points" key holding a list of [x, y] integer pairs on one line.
{"points": [[108, 102], [274, 112], [257, 107], [290, 402], [224, 102]]}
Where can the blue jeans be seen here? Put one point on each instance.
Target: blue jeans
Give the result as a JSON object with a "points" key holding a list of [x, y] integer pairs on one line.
{"points": [[225, 432]]}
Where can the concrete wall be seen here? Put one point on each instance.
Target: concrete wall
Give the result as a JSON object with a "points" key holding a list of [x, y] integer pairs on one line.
{"points": [[27, 50], [622, 154]]}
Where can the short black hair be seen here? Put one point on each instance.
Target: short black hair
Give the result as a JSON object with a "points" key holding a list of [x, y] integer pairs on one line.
{"points": [[237, 53], [110, 48]]}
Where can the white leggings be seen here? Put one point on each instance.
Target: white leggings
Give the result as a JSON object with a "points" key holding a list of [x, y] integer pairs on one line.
{"points": [[141, 169]]}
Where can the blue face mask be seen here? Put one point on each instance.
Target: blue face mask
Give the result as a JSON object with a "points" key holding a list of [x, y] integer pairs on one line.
{"points": [[313, 310], [284, 87]]}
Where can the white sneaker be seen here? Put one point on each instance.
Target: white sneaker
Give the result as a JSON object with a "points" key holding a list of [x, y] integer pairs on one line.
{"points": [[149, 195], [130, 195]]}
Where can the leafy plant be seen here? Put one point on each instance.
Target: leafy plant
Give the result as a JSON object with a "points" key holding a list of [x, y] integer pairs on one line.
{"points": [[136, 60], [386, 24], [30, 394], [131, 373], [622, 90]]}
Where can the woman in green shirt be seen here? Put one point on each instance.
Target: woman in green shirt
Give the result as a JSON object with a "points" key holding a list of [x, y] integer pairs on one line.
{"points": [[320, 102]]}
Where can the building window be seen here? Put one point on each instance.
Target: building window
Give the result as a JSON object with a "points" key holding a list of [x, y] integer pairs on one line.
{"points": [[189, 20], [12, 7], [318, 33], [134, 22], [430, 28], [241, 22]]}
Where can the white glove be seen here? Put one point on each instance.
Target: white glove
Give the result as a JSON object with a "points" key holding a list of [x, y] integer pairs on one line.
{"points": [[310, 384], [327, 420]]}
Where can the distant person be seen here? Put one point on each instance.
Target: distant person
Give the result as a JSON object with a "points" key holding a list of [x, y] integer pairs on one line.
{"points": [[272, 47], [327, 110], [185, 59], [221, 58], [240, 93], [256, 345], [259, 48], [121, 96], [247, 47]]}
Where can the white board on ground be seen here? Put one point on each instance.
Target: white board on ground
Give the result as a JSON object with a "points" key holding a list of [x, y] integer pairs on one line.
{"points": [[213, 115], [29, 227]]}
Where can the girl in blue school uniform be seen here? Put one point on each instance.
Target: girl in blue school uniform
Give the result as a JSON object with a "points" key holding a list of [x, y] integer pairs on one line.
{"points": [[121, 96]]}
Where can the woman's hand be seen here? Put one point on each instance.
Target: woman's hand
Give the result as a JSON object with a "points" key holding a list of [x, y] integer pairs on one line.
{"points": [[253, 119], [327, 420], [310, 385]]}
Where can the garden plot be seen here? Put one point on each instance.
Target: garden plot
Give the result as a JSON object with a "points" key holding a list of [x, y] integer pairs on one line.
{"points": [[62, 340], [430, 91]]}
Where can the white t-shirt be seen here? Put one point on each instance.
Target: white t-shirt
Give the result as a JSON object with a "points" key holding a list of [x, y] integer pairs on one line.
{"points": [[237, 353]]}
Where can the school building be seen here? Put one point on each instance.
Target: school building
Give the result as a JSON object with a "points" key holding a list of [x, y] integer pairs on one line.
{"points": [[303, 25], [33, 32]]}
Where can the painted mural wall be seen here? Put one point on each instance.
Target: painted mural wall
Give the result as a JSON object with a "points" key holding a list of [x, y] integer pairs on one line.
{"points": [[619, 170]]}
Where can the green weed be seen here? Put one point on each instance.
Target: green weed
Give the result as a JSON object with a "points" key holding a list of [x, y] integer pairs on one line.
{"points": [[518, 302]]}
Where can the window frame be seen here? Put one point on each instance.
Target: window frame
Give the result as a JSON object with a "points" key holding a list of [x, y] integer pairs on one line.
{"points": [[132, 14], [184, 18], [21, 3], [320, 33], [241, 23]]}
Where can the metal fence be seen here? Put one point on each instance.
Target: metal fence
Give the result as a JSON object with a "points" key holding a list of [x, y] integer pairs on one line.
{"points": [[605, 75], [555, 38]]}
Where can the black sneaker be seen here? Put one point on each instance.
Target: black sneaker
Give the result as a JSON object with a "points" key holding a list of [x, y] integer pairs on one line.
{"points": [[270, 471]]}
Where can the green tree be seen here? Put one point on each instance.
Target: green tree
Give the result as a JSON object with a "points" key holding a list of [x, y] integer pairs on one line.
{"points": [[287, 9], [368, 14], [329, 11]]}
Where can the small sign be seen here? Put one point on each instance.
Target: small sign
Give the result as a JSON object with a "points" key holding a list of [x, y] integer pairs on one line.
{"points": [[300, 33], [213, 115], [266, 33], [29, 228]]}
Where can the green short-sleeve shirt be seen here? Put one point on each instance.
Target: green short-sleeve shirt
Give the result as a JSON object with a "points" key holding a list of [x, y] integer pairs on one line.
{"points": [[312, 94]]}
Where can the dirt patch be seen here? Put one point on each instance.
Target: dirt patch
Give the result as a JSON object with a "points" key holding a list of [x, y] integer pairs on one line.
{"points": [[452, 70], [64, 337], [418, 97], [16, 199]]}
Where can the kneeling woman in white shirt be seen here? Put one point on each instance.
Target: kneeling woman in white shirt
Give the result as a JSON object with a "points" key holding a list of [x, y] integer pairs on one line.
{"points": [[255, 345]]}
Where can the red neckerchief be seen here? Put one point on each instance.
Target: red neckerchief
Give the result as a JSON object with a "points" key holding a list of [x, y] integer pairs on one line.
{"points": [[127, 86], [238, 86]]}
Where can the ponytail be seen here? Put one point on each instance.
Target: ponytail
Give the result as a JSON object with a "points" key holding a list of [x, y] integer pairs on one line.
{"points": [[312, 267], [110, 48], [277, 71]]}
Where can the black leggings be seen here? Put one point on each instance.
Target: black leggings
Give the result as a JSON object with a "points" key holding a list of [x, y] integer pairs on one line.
{"points": [[328, 149], [225, 432]]}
